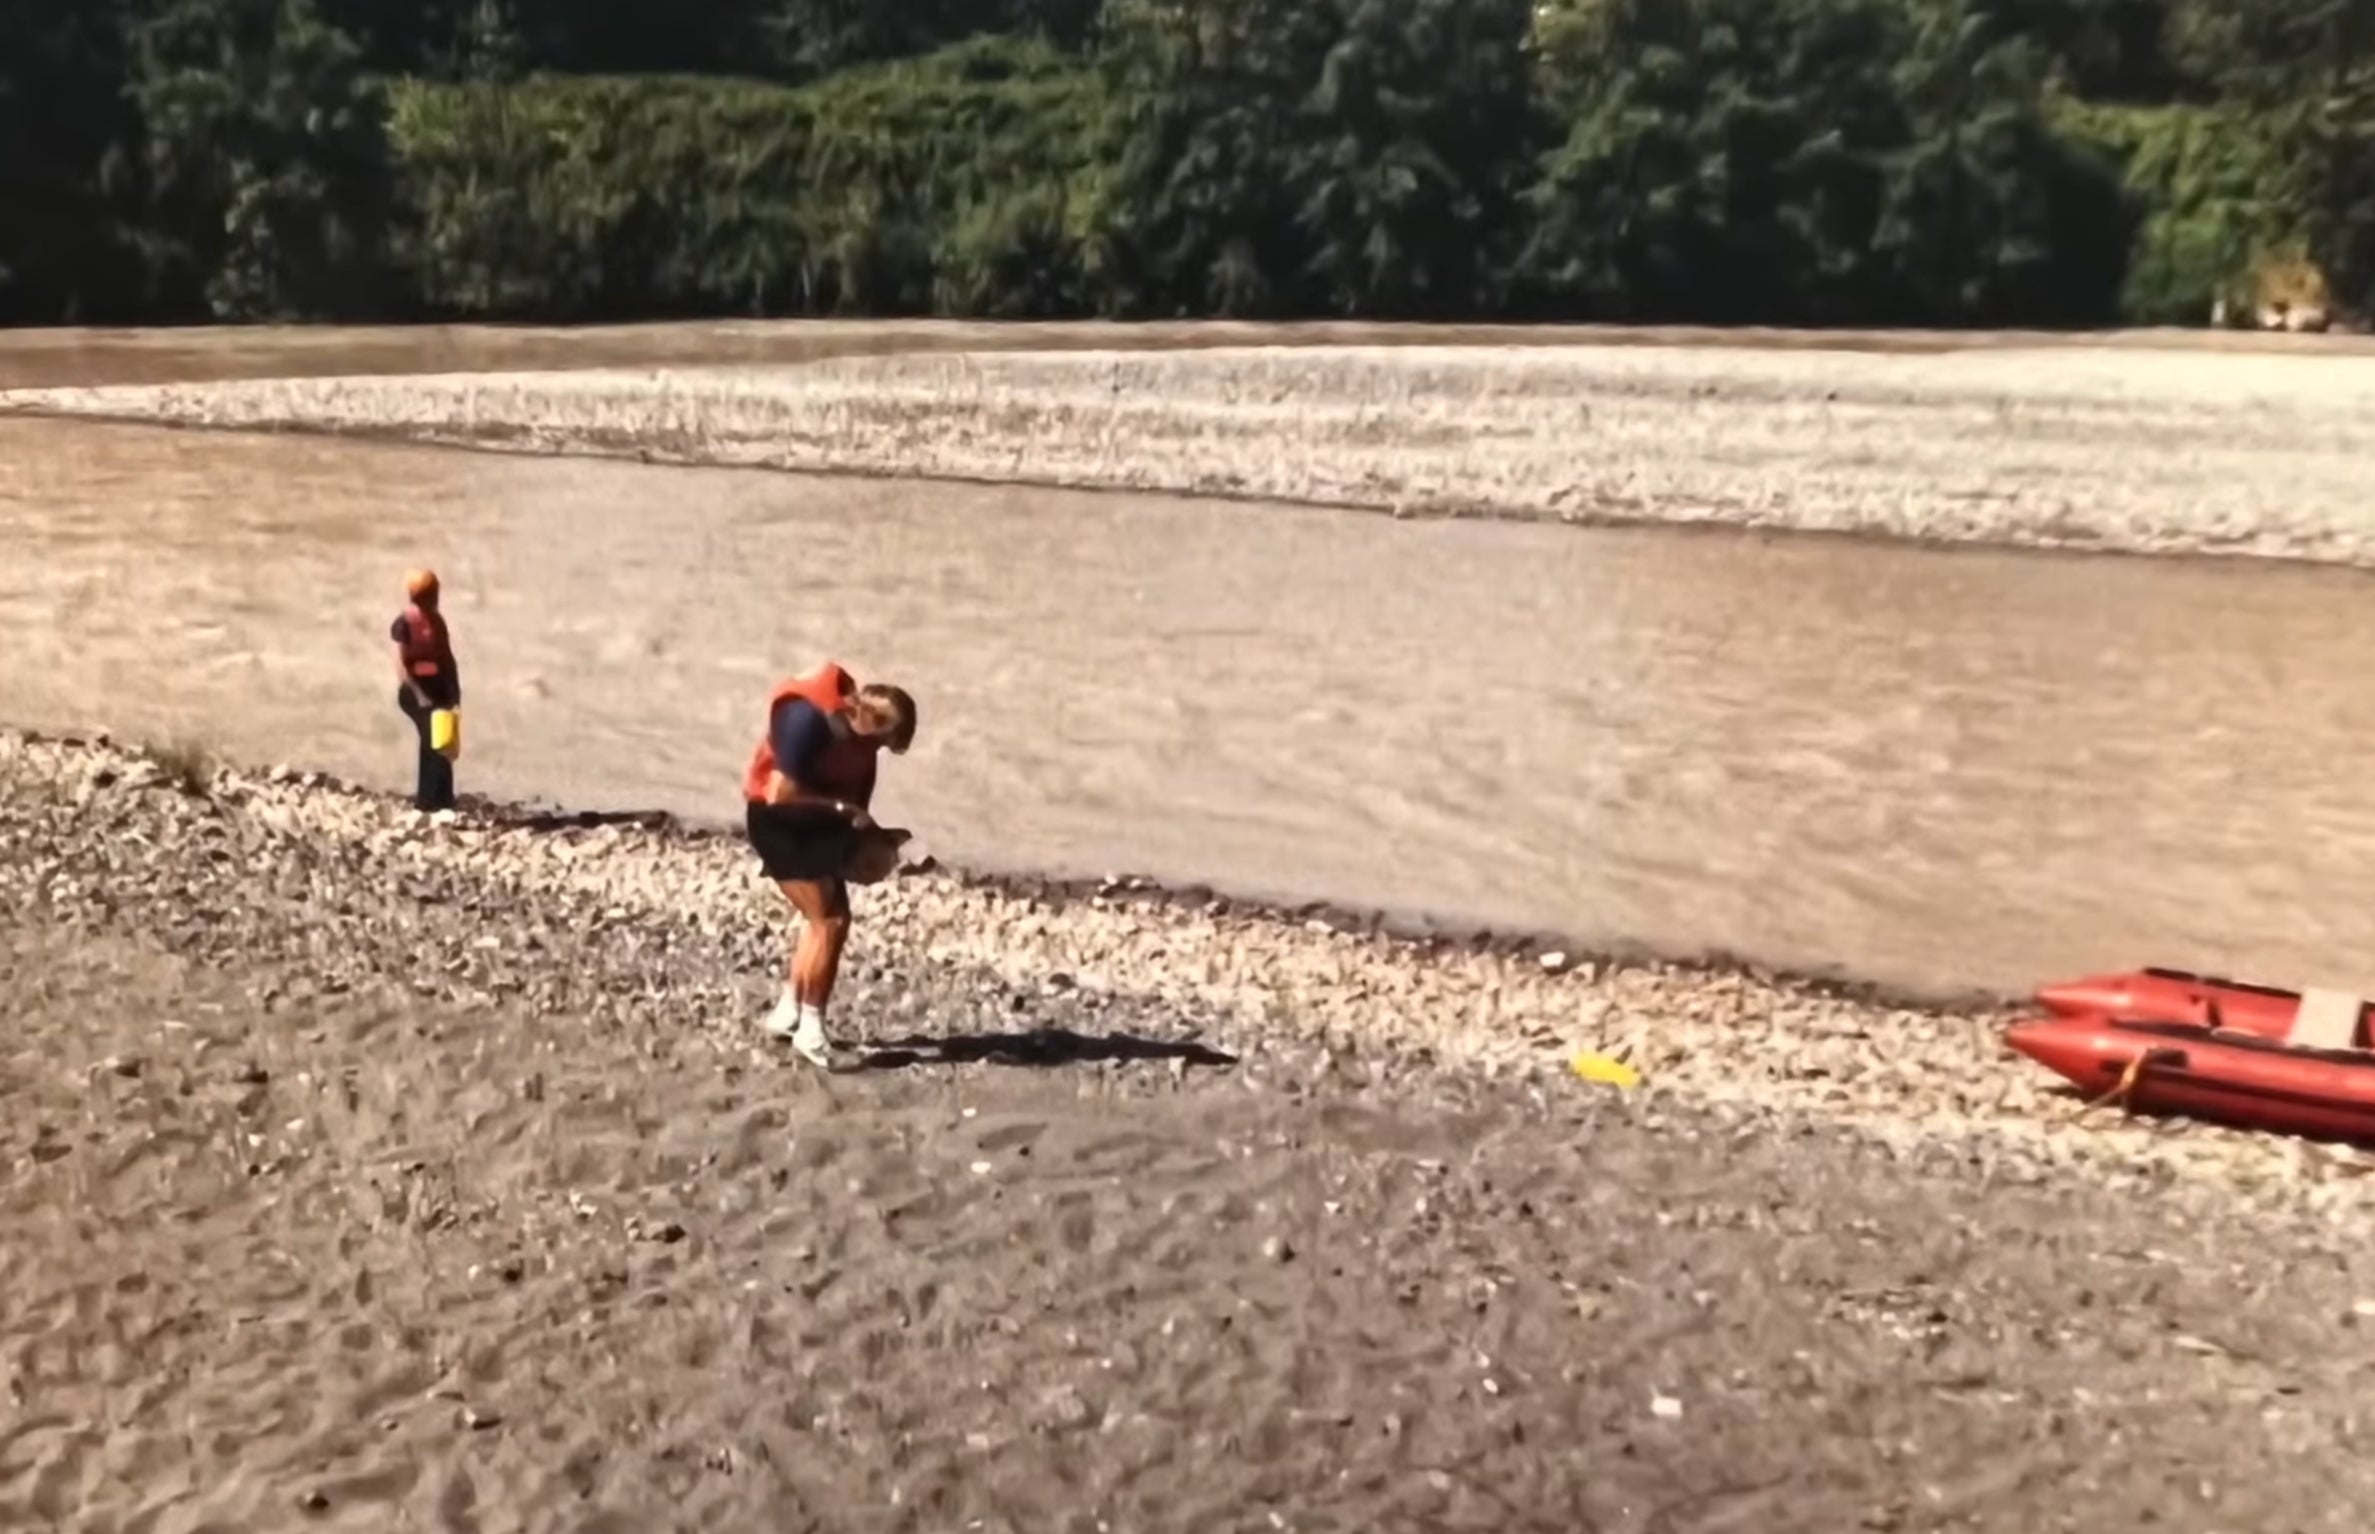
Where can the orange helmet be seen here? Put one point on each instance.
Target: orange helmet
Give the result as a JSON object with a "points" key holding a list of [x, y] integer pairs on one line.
{"points": [[419, 583]]}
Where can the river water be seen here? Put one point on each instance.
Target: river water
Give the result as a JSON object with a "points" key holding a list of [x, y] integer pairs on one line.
{"points": [[1940, 769]]}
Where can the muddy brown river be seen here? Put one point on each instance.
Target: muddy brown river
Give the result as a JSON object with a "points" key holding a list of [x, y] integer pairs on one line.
{"points": [[1936, 769]]}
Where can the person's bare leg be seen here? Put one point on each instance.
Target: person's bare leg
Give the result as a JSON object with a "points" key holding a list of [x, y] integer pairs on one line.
{"points": [[815, 963], [816, 958]]}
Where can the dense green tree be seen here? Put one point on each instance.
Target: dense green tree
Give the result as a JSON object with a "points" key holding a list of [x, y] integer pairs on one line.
{"points": [[950, 182], [265, 157], [2210, 183], [808, 38], [2105, 50], [2331, 186], [1813, 161], [2308, 68], [69, 148], [437, 39], [1995, 218], [1336, 156], [1727, 160], [1826, 161]]}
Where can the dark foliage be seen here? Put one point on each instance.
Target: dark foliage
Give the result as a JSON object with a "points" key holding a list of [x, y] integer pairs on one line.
{"points": [[2048, 162]]}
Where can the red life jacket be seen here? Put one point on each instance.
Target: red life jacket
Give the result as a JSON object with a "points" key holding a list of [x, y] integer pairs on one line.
{"points": [[427, 650], [846, 768]]}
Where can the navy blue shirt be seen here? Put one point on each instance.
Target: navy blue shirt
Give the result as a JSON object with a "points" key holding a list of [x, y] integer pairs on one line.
{"points": [[799, 733]]}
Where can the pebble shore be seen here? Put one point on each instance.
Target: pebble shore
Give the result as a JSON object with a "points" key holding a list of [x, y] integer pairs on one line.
{"points": [[2125, 449], [507, 906]]}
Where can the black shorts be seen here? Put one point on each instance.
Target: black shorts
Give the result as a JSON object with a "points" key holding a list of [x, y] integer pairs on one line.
{"points": [[808, 845]]}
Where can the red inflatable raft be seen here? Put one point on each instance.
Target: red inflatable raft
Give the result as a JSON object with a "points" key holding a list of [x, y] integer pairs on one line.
{"points": [[2314, 1076], [2174, 995]]}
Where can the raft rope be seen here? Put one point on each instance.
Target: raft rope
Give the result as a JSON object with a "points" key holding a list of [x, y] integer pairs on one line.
{"points": [[2124, 1092]]}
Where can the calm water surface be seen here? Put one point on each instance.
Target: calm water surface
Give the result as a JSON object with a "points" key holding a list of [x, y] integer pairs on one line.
{"points": [[1939, 769]]}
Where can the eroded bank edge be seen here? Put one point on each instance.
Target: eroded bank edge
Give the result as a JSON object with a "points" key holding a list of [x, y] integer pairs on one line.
{"points": [[1396, 935]]}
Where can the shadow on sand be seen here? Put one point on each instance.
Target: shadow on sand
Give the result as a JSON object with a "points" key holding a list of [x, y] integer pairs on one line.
{"points": [[1040, 1047], [570, 820]]}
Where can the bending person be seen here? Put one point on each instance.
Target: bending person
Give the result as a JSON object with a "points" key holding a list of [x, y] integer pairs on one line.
{"points": [[806, 795]]}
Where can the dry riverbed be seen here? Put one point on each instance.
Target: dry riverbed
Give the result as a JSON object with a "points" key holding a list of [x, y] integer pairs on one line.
{"points": [[2118, 448], [362, 1172]]}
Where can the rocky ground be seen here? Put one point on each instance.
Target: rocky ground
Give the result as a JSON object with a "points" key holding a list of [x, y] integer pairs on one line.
{"points": [[362, 1173], [2125, 448]]}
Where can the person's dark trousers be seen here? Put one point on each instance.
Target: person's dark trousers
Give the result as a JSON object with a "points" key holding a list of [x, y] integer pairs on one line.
{"points": [[434, 775]]}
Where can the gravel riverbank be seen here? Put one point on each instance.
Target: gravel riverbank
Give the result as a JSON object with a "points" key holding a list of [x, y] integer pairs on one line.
{"points": [[2111, 448], [361, 1171], [620, 917]]}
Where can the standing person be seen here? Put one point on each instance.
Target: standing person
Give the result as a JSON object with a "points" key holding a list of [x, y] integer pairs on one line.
{"points": [[806, 794], [430, 681]]}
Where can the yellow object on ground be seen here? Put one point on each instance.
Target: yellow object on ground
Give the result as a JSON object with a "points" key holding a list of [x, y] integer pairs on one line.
{"points": [[1604, 1069], [445, 732]]}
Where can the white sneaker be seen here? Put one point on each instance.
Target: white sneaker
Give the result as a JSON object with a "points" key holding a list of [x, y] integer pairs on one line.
{"points": [[810, 1042], [803, 1029]]}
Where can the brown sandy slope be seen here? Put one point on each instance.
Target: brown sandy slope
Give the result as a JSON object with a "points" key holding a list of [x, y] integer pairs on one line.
{"points": [[344, 1196]]}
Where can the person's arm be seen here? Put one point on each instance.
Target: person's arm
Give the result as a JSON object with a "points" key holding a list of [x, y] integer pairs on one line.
{"points": [[800, 733], [397, 632]]}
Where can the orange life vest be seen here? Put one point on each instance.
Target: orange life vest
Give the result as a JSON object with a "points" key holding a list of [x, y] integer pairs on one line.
{"points": [[427, 650], [845, 770]]}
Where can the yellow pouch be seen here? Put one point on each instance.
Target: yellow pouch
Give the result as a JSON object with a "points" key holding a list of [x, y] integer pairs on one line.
{"points": [[1604, 1069], [445, 732]]}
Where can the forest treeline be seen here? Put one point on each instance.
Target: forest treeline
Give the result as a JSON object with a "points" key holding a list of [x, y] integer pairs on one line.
{"points": [[1944, 162]]}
